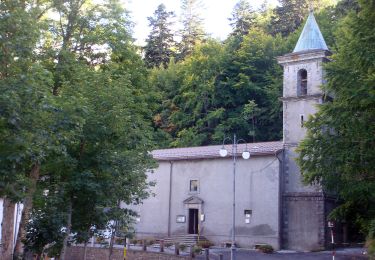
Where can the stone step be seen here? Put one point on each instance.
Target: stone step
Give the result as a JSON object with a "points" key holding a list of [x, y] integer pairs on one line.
{"points": [[189, 240]]}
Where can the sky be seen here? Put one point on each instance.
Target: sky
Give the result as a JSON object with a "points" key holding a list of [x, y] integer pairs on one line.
{"points": [[215, 15]]}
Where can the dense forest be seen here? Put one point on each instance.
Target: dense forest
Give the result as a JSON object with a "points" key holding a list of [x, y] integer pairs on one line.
{"points": [[81, 105], [208, 88]]}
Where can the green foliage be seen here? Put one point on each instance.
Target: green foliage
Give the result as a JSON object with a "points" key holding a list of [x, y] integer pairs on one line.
{"points": [[192, 32], [208, 94], [77, 99], [182, 247], [290, 15], [205, 244], [370, 243], [160, 43], [197, 250], [82, 112], [268, 249], [27, 111], [243, 18], [338, 150]]}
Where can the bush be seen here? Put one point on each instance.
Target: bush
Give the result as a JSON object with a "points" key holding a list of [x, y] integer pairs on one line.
{"points": [[119, 241], [268, 249], [197, 250], [135, 241], [182, 247], [101, 240], [205, 244], [168, 244], [150, 241], [370, 242]]}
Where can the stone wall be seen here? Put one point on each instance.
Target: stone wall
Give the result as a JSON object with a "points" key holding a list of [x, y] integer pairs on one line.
{"points": [[97, 253], [304, 221]]}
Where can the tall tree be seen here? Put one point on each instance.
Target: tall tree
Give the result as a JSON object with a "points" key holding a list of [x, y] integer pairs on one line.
{"points": [[338, 151], [243, 18], [86, 58], [160, 44], [224, 88], [27, 108], [291, 13], [192, 32]]}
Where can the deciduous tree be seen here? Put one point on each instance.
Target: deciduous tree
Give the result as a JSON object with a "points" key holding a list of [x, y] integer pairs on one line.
{"points": [[338, 151]]}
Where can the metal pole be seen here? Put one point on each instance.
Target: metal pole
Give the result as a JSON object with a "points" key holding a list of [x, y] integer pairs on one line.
{"points": [[234, 153], [333, 245]]}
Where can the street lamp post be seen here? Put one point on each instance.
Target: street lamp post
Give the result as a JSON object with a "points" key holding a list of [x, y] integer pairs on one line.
{"points": [[245, 155]]}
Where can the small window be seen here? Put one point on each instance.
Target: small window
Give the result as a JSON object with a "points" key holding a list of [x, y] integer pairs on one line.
{"points": [[302, 120], [193, 185], [302, 83]]}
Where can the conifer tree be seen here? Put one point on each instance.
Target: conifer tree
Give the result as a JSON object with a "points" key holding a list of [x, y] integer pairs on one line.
{"points": [[192, 31], [291, 13], [243, 18], [160, 44]]}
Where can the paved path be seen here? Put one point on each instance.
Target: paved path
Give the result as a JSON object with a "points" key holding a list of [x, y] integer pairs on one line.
{"points": [[347, 254]]}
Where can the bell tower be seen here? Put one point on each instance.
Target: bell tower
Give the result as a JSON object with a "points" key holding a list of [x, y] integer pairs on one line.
{"points": [[304, 207]]}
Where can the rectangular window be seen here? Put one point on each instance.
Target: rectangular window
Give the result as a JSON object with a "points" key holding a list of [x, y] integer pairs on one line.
{"points": [[193, 185], [302, 121]]}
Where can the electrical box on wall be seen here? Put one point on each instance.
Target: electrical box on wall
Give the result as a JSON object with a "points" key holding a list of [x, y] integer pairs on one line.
{"points": [[248, 213]]}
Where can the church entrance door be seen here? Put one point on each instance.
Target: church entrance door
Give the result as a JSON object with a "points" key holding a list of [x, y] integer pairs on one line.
{"points": [[193, 221]]}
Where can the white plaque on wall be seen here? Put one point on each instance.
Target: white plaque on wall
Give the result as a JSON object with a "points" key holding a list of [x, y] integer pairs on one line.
{"points": [[180, 219]]}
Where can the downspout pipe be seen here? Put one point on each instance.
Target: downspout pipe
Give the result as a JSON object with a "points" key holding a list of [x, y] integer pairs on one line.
{"points": [[170, 197], [280, 155]]}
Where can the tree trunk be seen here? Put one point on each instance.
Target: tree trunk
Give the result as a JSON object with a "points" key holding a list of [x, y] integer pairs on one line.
{"points": [[7, 229], [19, 250], [85, 251], [111, 242], [113, 234], [68, 229]]}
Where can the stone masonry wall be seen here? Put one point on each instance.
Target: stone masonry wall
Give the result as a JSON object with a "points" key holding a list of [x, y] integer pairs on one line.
{"points": [[97, 253]]}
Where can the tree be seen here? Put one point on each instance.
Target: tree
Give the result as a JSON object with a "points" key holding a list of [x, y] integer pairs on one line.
{"points": [[27, 108], [243, 18], [195, 114], [160, 43], [106, 156], [291, 13], [220, 89], [252, 77], [192, 32], [54, 80], [338, 149]]}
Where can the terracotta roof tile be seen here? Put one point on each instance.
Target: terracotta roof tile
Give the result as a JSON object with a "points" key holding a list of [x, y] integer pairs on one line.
{"points": [[212, 151]]}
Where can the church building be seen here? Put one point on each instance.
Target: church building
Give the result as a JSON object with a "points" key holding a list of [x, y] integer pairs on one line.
{"points": [[193, 196]]}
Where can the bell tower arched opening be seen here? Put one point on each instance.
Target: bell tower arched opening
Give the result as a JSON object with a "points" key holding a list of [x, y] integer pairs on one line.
{"points": [[302, 82]]}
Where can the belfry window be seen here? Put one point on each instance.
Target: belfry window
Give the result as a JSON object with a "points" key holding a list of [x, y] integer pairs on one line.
{"points": [[302, 83]]}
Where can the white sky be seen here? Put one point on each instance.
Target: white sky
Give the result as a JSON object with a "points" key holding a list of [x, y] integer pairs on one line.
{"points": [[215, 15]]}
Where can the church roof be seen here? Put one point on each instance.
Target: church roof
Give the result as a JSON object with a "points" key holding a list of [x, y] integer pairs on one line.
{"points": [[212, 151], [311, 38]]}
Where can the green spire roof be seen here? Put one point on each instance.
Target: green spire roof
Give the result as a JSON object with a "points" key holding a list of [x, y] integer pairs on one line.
{"points": [[311, 38]]}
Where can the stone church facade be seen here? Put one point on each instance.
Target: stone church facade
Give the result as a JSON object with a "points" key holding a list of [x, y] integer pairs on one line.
{"points": [[193, 192]]}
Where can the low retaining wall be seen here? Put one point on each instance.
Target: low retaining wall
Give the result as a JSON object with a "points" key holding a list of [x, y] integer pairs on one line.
{"points": [[98, 253]]}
